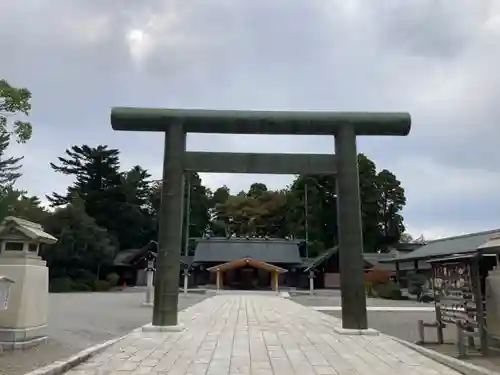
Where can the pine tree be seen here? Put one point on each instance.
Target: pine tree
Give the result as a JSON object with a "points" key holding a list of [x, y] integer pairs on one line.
{"points": [[116, 201], [9, 166], [96, 170]]}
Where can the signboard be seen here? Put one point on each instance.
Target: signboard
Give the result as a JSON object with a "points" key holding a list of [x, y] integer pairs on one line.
{"points": [[5, 285], [454, 291]]}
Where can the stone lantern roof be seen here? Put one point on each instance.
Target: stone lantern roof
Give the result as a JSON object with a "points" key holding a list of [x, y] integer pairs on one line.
{"points": [[32, 231]]}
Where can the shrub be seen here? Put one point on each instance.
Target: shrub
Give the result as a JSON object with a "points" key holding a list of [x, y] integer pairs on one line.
{"points": [[416, 282], [101, 286], [369, 289], [82, 276], [113, 278], [389, 290], [60, 285], [377, 276], [81, 286]]}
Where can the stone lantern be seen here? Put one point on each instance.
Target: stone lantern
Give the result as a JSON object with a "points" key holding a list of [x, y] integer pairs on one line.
{"points": [[24, 318]]}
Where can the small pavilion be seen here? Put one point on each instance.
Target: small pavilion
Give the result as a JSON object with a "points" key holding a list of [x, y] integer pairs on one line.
{"points": [[275, 271]]}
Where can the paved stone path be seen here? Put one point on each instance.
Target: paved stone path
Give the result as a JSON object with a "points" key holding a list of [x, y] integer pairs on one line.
{"points": [[260, 335]]}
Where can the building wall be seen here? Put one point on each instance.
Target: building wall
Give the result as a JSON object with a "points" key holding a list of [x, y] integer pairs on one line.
{"points": [[332, 280], [141, 278]]}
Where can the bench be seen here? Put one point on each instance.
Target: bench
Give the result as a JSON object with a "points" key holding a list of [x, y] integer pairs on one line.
{"points": [[458, 311]]}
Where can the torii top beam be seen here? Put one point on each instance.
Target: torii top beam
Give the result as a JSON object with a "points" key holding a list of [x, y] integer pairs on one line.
{"points": [[260, 122]]}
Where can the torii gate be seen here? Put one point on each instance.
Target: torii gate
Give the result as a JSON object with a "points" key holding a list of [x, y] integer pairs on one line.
{"points": [[345, 126]]}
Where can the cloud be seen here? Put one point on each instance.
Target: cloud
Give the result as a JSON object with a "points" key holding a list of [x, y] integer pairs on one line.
{"points": [[436, 60]]}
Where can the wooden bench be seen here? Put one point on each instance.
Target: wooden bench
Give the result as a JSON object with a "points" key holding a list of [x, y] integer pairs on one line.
{"points": [[461, 313]]}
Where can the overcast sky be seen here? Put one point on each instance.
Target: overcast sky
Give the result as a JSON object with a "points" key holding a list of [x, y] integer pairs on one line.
{"points": [[438, 60]]}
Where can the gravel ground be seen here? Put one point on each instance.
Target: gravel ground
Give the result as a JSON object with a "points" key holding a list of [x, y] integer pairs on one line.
{"points": [[399, 324], [402, 325], [80, 320], [332, 298]]}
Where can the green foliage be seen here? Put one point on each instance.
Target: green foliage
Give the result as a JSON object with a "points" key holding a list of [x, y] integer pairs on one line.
{"points": [[261, 212], [60, 285], [82, 281], [79, 286], [16, 203], [9, 166], [113, 278], [391, 201], [83, 246], [102, 286], [14, 101], [416, 282], [200, 201], [405, 237], [389, 290], [117, 201]]}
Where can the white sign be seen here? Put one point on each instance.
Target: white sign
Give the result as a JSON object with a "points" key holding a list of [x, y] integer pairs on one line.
{"points": [[5, 285]]}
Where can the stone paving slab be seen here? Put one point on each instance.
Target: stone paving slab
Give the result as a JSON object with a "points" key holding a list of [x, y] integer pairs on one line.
{"points": [[260, 335]]}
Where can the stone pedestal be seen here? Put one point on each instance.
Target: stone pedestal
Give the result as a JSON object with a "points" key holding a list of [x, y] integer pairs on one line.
{"points": [[23, 323]]}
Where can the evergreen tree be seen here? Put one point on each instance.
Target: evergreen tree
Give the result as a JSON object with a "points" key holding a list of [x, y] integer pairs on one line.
{"points": [[9, 166], [98, 183], [82, 248], [97, 175]]}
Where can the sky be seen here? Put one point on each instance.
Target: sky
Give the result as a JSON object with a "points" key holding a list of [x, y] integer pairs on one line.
{"points": [[437, 60]]}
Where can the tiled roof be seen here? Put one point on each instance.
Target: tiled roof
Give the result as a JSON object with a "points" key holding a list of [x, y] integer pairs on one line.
{"points": [[28, 228], [463, 244], [220, 250]]}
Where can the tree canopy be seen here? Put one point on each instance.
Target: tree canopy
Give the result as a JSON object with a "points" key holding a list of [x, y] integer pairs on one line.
{"points": [[14, 102]]}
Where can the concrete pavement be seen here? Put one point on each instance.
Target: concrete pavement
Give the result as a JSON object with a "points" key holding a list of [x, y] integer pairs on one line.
{"points": [[257, 334]]}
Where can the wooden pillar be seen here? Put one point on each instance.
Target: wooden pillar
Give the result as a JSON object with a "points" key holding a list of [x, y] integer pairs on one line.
{"points": [[218, 282], [480, 313], [276, 281]]}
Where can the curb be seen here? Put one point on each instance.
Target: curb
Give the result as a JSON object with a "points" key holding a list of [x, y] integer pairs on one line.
{"points": [[453, 363], [60, 367]]}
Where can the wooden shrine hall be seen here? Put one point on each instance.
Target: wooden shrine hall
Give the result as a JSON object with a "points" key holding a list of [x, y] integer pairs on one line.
{"points": [[246, 263]]}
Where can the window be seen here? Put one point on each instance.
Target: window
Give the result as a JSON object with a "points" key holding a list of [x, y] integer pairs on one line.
{"points": [[33, 247], [14, 246]]}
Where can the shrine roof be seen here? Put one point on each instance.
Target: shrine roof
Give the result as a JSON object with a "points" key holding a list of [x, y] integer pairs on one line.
{"points": [[450, 246], [221, 250]]}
